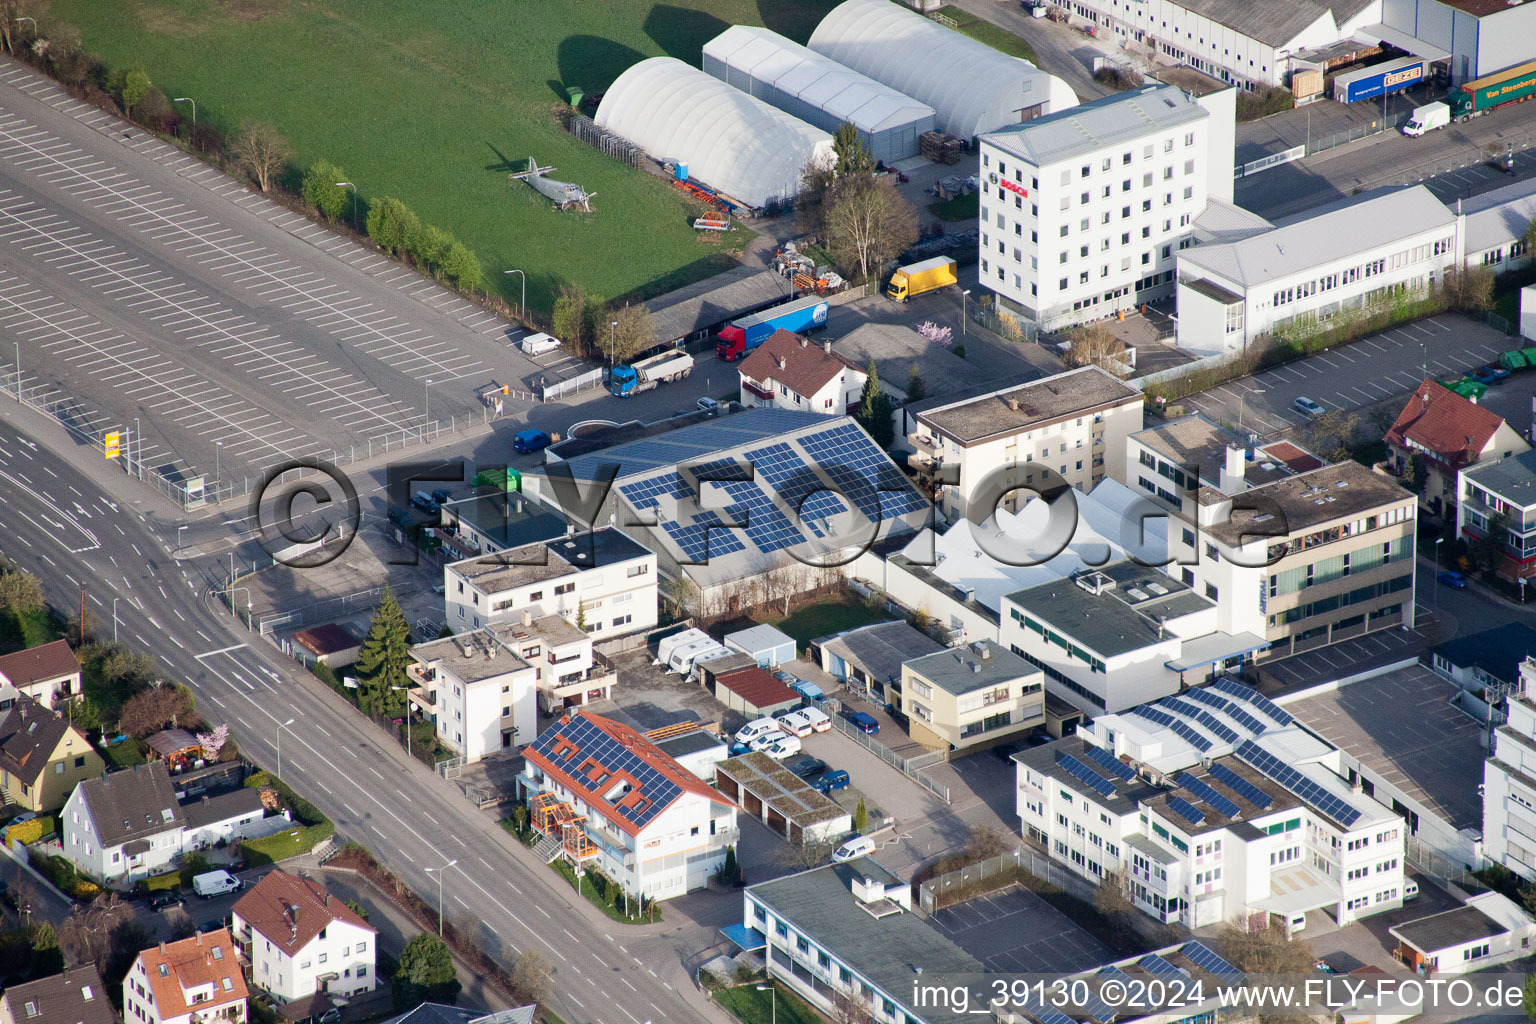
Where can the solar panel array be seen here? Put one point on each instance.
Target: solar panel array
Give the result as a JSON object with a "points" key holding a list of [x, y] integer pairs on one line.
{"points": [[1096, 1007], [779, 465], [766, 526], [1254, 697], [1049, 1015], [1154, 964], [646, 493], [1179, 706], [1152, 714], [863, 471], [1098, 783], [1192, 736], [1204, 958], [1215, 727], [699, 542], [698, 441], [1104, 759], [1206, 697], [591, 742], [1186, 810], [1203, 791], [1245, 720], [1262, 760], [1241, 786]]}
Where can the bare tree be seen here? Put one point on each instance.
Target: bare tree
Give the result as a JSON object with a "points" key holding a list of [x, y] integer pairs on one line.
{"points": [[531, 976], [629, 329], [848, 1008], [868, 222], [154, 709], [1095, 345], [1113, 899], [260, 151], [1469, 289], [812, 854]]}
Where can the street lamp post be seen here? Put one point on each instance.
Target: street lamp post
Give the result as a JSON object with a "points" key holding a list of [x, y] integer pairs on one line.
{"points": [[524, 303], [114, 618], [218, 453], [179, 530], [188, 99], [426, 389], [280, 747], [348, 184], [1240, 400], [1436, 583], [440, 872], [613, 325], [407, 719], [773, 993], [962, 311]]}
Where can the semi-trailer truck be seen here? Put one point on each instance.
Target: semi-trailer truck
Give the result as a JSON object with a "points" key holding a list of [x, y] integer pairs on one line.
{"points": [[645, 374], [916, 278], [1495, 90], [739, 337]]}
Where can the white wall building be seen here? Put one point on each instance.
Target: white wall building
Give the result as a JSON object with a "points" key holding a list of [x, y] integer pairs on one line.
{"points": [[478, 690], [194, 981], [300, 940], [602, 581], [1509, 784], [630, 809], [1083, 212], [1073, 423], [1216, 806], [789, 372], [1488, 929]]}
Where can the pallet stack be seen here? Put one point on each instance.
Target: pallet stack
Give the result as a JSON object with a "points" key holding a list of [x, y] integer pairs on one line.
{"points": [[940, 148]]}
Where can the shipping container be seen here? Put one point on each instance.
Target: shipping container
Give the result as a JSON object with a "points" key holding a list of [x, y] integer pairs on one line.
{"points": [[1507, 86], [1378, 79]]}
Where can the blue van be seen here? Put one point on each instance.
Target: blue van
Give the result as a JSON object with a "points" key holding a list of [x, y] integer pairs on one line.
{"points": [[837, 778], [529, 441], [865, 722]]}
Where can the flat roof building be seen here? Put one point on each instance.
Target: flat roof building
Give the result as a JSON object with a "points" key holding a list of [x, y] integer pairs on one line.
{"points": [[972, 697], [1502, 491]]}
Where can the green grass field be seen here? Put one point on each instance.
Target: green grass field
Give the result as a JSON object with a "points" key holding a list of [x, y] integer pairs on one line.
{"points": [[986, 32], [436, 103]]}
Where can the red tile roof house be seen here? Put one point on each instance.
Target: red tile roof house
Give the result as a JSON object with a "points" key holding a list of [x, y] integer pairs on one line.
{"points": [[194, 981], [789, 372], [299, 940], [605, 796], [1446, 433]]}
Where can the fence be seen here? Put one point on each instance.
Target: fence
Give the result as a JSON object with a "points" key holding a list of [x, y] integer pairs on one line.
{"points": [[1285, 156], [939, 891], [944, 19], [580, 382], [1360, 131], [601, 139], [908, 765], [324, 610]]}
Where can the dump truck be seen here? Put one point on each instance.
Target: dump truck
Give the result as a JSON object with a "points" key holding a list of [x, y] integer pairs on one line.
{"points": [[646, 373], [739, 337], [1495, 90], [916, 278], [1427, 118]]}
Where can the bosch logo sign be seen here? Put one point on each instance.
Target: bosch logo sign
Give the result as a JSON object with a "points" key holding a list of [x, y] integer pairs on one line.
{"points": [[1011, 187], [992, 177]]}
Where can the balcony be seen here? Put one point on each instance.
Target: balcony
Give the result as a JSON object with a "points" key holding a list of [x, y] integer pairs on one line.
{"points": [[927, 447], [756, 390]]}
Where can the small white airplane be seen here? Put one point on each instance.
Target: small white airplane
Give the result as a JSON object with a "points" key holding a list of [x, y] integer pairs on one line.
{"points": [[562, 193]]}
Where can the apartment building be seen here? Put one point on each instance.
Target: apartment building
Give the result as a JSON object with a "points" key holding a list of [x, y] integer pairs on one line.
{"points": [[300, 940], [1073, 423], [1249, 45], [601, 581], [1215, 806], [1509, 783], [605, 795], [477, 689], [1084, 211], [969, 698], [1503, 493], [1440, 433], [1341, 258], [1296, 552], [194, 981], [790, 372]]}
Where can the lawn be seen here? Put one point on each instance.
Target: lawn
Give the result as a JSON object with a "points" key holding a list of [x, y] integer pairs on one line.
{"points": [[290, 843], [815, 620], [750, 1006], [986, 32], [966, 207], [123, 755], [436, 103]]}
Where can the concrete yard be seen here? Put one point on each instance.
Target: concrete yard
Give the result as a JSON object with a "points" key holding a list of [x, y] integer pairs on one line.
{"points": [[1016, 932]]}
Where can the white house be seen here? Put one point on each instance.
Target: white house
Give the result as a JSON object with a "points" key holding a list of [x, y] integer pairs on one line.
{"points": [[1504, 488], [1084, 211], [1215, 805], [477, 690], [1074, 424], [127, 825], [1509, 784], [790, 372], [606, 795], [194, 981], [300, 940], [47, 673], [1487, 929], [601, 581]]}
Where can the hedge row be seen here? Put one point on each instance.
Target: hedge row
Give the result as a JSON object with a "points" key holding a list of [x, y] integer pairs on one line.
{"points": [[304, 812]]}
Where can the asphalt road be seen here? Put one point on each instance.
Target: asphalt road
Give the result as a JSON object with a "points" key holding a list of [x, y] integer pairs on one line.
{"points": [[1362, 373], [58, 522]]}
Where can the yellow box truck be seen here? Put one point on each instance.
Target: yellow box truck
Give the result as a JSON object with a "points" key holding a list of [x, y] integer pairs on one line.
{"points": [[916, 278]]}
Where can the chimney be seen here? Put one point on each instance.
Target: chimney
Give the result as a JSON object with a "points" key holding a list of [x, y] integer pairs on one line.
{"points": [[527, 617], [780, 361], [1233, 469], [1013, 404], [805, 342], [162, 949], [826, 347]]}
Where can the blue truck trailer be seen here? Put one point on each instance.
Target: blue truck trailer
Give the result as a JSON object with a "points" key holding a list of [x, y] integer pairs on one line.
{"points": [[739, 337]]}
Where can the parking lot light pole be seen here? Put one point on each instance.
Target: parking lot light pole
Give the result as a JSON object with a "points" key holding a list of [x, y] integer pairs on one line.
{"points": [[963, 294], [218, 451], [773, 993], [280, 747], [179, 530], [440, 872], [348, 184], [114, 618], [613, 325], [1436, 581], [524, 303], [188, 99]]}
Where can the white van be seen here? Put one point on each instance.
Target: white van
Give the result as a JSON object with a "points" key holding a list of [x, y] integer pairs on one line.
{"points": [[858, 846], [538, 344], [1410, 890], [215, 883], [757, 729]]}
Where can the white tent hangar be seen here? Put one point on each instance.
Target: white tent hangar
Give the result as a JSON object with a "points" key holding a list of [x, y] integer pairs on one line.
{"points": [[972, 87], [729, 140], [818, 90]]}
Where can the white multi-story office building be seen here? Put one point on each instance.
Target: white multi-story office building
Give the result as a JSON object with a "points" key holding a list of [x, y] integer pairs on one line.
{"points": [[1083, 212], [1213, 805], [601, 581], [1509, 784]]}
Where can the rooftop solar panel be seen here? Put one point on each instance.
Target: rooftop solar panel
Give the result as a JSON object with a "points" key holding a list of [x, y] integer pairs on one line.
{"points": [[1178, 706], [1098, 783], [1205, 696], [1186, 810], [766, 526], [862, 470], [1213, 725], [1095, 1006], [1049, 1015], [1192, 736], [1245, 720], [1152, 714], [646, 493], [1204, 958], [705, 537], [1203, 791], [1327, 803], [1251, 696], [1241, 786], [1104, 759], [1154, 964], [594, 744], [795, 483]]}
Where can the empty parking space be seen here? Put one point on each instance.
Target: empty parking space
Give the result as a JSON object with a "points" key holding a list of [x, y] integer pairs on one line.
{"points": [[1346, 658], [1375, 369], [1016, 932]]}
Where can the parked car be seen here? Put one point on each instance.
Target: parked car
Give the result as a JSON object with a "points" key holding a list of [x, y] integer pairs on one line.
{"points": [[858, 846], [807, 767], [767, 739], [818, 719], [828, 781], [166, 900], [708, 405], [1488, 374], [862, 720], [23, 816], [796, 724], [529, 441], [789, 679], [784, 746], [755, 728], [538, 344], [738, 748], [426, 503], [1410, 890], [1308, 408], [210, 926], [1454, 580], [441, 495]]}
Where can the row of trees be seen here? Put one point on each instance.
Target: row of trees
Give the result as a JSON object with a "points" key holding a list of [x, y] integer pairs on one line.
{"points": [[396, 229], [591, 330], [861, 218]]}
